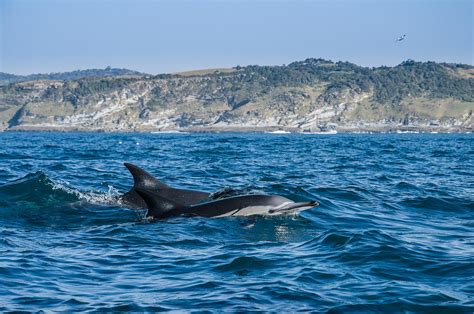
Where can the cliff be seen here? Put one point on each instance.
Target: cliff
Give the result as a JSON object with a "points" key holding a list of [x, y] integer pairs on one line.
{"points": [[311, 95]]}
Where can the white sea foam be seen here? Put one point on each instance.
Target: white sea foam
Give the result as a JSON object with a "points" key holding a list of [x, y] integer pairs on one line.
{"points": [[92, 197]]}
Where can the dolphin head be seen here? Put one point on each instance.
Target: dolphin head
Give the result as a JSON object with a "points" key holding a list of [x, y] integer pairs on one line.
{"points": [[292, 207]]}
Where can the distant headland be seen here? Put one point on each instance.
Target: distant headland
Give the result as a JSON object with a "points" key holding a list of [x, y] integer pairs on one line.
{"points": [[314, 95]]}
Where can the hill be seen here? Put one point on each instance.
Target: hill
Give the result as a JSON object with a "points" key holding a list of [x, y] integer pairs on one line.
{"points": [[310, 95], [6, 78]]}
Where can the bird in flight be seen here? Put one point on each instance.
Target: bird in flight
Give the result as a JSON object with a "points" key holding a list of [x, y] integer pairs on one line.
{"points": [[401, 37]]}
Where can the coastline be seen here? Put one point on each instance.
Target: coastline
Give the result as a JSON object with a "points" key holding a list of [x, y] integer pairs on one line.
{"points": [[247, 129]]}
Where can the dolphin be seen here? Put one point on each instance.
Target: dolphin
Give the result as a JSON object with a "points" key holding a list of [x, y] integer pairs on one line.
{"points": [[145, 181], [161, 207]]}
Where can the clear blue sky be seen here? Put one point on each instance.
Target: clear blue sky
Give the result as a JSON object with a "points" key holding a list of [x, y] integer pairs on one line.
{"points": [[169, 36]]}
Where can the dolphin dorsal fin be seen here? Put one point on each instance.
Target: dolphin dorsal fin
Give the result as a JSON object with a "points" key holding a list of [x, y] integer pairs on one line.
{"points": [[143, 179], [158, 206]]}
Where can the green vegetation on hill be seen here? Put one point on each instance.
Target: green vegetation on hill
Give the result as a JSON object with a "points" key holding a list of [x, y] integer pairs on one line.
{"points": [[390, 84], [311, 94], [6, 78]]}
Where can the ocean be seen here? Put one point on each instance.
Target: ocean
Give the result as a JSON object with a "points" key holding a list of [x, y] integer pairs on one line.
{"points": [[394, 231]]}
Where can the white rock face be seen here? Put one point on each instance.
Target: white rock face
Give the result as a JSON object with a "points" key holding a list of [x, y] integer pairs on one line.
{"points": [[203, 103]]}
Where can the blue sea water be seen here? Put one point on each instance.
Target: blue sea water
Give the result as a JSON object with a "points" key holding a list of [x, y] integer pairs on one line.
{"points": [[394, 231]]}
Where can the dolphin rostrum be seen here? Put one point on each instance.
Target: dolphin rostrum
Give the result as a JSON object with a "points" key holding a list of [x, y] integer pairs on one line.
{"points": [[245, 205], [145, 181]]}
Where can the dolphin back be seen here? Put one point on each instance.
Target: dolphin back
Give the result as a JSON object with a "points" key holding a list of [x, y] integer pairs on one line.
{"points": [[158, 206], [145, 181], [141, 180]]}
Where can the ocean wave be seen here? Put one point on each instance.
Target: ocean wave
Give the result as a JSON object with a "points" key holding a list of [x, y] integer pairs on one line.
{"points": [[432, 203], [393, 232], [36, 199], [37, 187]]}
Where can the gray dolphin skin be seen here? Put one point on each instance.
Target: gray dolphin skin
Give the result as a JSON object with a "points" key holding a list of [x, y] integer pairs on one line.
{"points": [[145, 181], [246, 205]]}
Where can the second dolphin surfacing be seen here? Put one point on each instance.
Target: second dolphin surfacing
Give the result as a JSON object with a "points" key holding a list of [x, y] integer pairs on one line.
{"points": [[145, 181], [246, 205]]}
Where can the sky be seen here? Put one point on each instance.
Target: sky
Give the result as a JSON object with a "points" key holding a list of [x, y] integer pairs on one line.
{"points": [[43, 36]]}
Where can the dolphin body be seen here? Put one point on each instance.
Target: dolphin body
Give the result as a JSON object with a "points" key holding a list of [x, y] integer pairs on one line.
{"points": [[245, 205], [145, 181]]}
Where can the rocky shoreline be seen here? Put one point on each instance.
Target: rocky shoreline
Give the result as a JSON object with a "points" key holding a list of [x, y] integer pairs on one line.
{"points": [[246, 129]]}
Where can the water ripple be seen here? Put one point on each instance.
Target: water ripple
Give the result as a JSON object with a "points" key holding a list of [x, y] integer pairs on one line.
{"points": [[393, 232]]}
